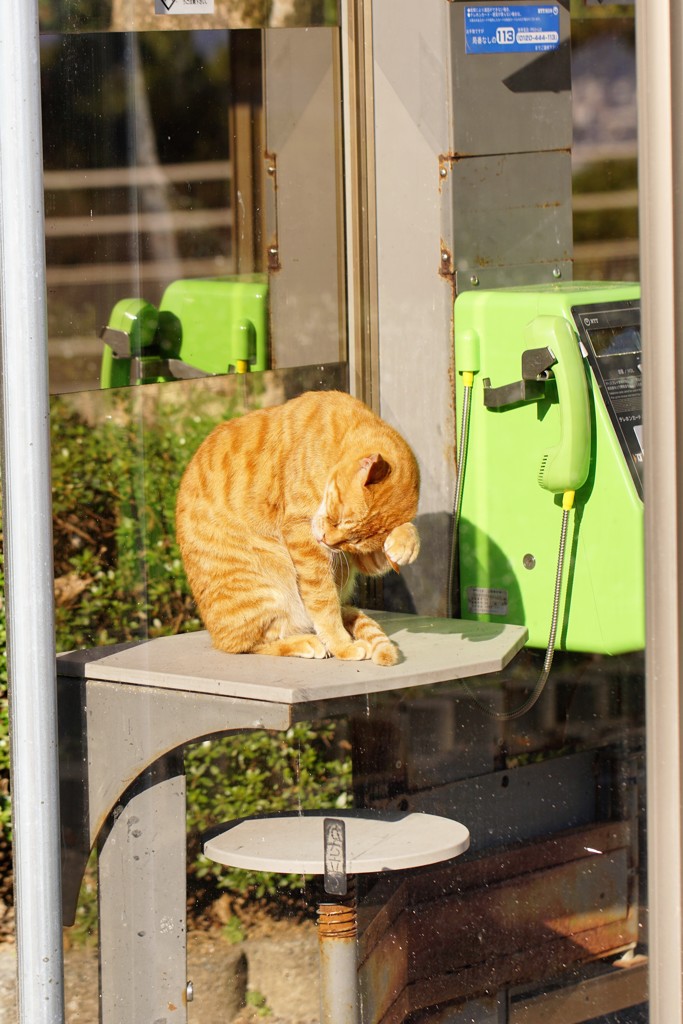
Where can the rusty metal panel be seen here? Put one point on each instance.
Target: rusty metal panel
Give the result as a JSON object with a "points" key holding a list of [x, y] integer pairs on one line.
{"points": [[383, 975], [549, 960], [622, 986], [567, 901], [509, 218], [515, 916]]}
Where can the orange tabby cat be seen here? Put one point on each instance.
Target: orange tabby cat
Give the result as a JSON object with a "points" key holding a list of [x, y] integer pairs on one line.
{"points": [[279, 509]]}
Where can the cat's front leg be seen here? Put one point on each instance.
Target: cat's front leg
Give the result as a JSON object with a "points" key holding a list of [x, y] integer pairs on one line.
{"points": [[319, 594], [402, 546], [362, 627]]}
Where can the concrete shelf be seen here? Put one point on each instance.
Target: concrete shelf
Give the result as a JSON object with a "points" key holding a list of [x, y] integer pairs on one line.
{"points": [[432, 651]]}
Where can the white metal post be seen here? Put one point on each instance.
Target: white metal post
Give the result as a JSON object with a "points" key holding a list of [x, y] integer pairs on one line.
{"points": [[659, 32], [26, 517]]}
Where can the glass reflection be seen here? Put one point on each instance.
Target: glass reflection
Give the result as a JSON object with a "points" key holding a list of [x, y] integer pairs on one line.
{"points": [[169, 15], [117, 458], [139, 176], [555, 874], [178, 214]]}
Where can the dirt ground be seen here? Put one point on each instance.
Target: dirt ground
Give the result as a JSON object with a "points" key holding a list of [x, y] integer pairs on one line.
{"points": [[270, 977]]}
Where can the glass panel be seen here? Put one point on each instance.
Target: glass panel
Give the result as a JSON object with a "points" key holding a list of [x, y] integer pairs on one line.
{"points": [[194, 156], [545, 916], [604, 158], [138, 177], [180, 256], [171, 203], [117, 459], [551, 895], [169, 15]]}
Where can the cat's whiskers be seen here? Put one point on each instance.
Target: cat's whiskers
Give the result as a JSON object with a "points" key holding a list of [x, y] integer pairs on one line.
{"points": [[341, 567]]}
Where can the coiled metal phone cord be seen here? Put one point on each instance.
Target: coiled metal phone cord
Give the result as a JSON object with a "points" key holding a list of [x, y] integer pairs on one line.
{"points": [[567, 504]]}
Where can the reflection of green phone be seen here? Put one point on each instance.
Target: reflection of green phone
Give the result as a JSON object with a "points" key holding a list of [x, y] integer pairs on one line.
{"points": [[564, 466], [539, 415], [203, 326]]}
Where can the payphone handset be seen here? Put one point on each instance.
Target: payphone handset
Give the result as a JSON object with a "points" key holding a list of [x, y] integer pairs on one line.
{"points": [[564, 465], [550, 378]]}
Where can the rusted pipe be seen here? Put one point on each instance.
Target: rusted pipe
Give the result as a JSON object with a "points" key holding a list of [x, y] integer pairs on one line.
{"points": [[337, 930]]}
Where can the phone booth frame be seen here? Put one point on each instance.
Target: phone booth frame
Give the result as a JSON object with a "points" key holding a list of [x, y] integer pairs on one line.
{"points": [[26, 486]]}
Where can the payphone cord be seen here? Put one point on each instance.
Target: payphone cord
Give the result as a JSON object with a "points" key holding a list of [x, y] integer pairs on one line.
{"points": [[468, 380], [567, 505]]}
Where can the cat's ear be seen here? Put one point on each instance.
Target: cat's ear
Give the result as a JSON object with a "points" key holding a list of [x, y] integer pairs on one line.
{"points": [[373, 469]]}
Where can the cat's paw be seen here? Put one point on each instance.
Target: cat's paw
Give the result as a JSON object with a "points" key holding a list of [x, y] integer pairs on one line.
{"points": [[311, 647], [356, 650], [304, 645], [402, 546], [384, 653]]}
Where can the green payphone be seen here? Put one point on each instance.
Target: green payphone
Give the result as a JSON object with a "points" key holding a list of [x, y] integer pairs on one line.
{"points": [[203, 326], [550, 381]]}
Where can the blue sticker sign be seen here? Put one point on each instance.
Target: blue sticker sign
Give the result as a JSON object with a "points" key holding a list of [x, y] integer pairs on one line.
{"points": [[512, 28]]}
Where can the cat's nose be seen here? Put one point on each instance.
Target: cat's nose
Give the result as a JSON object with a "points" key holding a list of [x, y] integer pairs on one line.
{"points": [[317, 531]]}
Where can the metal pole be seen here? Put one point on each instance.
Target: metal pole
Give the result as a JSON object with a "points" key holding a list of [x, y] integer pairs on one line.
{"points": [[337, 930], [27, 523], [659, 33]]}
